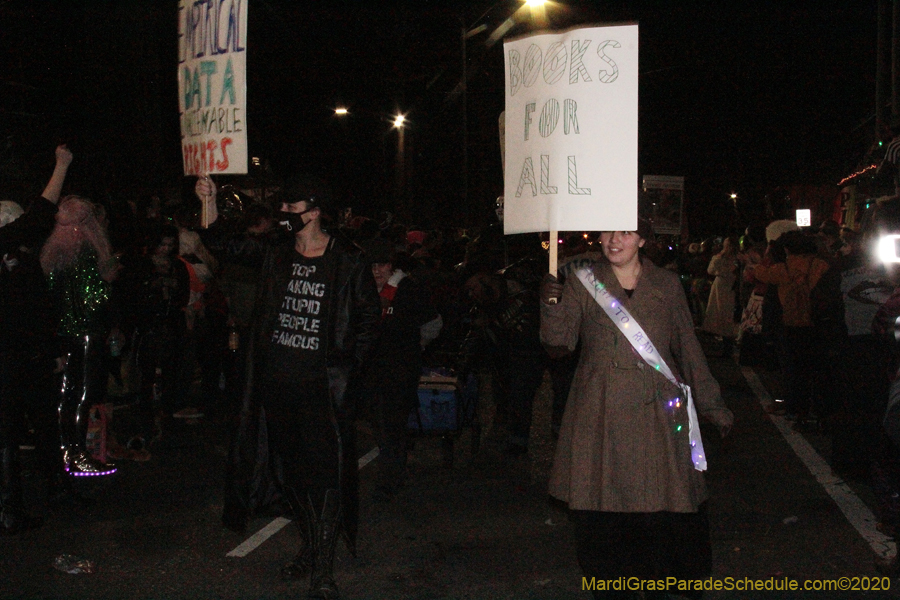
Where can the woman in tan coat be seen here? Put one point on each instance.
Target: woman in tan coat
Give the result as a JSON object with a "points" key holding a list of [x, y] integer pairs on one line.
{"points": [[623, 461]]}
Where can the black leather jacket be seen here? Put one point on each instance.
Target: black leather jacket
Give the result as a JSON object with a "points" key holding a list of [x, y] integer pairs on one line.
{"points": [[354, 314]]}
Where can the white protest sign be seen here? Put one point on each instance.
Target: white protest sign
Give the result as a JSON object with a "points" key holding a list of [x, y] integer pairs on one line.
{"points": [[212, 85], [571, 131]]}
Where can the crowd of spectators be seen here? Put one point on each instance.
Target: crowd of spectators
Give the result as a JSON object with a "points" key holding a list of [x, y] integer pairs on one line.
{"points": [[813, 307], [151, 303]]}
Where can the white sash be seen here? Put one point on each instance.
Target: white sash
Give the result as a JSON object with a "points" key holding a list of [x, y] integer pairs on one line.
{"points": [[632, 331]]}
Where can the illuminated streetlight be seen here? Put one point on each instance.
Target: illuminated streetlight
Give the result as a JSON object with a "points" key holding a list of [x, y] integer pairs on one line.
{"points": [[400, 184], [733, 196], [341, 111]]}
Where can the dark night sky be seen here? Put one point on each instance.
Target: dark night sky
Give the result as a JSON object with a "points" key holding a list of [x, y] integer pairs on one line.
{"points": [[743, 99]]}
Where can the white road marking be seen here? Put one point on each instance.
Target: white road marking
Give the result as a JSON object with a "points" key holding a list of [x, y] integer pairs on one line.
{"points": [[854, 509], [256, 540], [369, 457]]}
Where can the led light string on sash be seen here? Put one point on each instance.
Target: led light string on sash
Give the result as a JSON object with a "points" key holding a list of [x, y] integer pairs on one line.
{"points": [[644, 347]]}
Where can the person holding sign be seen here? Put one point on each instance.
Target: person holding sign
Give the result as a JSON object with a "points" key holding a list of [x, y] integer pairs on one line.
{"points": [[629, 455], [316, 317]]}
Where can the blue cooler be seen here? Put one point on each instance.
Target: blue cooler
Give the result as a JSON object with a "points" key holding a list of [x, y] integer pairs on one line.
{"points": [[438, 402]]}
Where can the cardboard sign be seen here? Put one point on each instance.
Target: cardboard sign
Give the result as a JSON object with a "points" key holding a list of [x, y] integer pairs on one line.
{"points": [[571, 131], [212, 85]]}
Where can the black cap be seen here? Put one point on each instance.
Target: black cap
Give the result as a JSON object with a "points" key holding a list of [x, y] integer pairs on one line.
{"points": [[307, 188], [830, 227]]}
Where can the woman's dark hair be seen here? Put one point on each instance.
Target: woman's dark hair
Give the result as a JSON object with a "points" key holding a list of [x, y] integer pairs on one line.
{"points": [[644, 228], [161, 231], [776, 250], [253, 214], [797, 242], [756, 233]]}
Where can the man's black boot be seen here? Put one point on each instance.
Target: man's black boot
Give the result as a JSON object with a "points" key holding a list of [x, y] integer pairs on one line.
{"points": [[302, 564], [326, 533]]}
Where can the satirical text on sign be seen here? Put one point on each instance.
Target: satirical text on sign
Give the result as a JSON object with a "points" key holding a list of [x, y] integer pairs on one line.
{"points": [[212, 49]]}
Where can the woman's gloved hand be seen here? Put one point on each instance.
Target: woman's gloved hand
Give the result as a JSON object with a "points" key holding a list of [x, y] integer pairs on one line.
{"points": [[551, 289]]}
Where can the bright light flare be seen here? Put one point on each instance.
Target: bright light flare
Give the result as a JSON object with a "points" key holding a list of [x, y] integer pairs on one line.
{"points": [[399, 120], [887, 249], [341, 111]]}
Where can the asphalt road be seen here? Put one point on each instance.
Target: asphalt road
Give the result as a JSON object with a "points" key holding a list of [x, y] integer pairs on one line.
{"points": [[481, 529]]}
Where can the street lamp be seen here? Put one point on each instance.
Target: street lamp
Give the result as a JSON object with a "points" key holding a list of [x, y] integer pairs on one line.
{"points": [[341, 111], [399, 125], [538, 13]]}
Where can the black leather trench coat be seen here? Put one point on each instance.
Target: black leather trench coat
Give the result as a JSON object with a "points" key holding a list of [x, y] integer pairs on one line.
{"points": [[353, 318]]}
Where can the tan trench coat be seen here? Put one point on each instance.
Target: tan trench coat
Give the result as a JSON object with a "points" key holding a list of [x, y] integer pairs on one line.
{"points": [[719, 318], [620, 448]]}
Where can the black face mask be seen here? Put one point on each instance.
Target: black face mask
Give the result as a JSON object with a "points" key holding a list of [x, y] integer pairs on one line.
{"points": [[293, 222]]}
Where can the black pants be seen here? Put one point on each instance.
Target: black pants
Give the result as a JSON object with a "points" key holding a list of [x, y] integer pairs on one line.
{"points": [[798, 364], [303, 435], [392, 401], [29, 389], [204, 347], [643, 545], [212, 358], [160, 349], [864, 391], [886, 480], [520, 377]]}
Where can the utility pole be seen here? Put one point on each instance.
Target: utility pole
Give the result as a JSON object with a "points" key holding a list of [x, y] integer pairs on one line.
{"points": [[895, 63], [881, 71], [465, 129]]}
